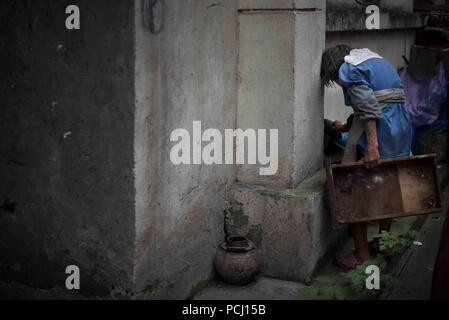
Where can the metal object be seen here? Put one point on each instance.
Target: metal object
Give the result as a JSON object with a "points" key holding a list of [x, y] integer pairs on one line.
{"points": [[398, 187], [237, 261]]}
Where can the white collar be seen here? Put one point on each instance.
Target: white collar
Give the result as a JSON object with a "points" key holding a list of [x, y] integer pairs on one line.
{"points": [[357, 56]]}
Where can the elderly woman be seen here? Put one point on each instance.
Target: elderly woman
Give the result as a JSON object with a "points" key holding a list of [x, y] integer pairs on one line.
{"points": [[381, 126]]}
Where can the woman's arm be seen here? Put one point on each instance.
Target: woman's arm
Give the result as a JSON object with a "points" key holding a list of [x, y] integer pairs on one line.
{"points": [[371, 159], [365, 103]]}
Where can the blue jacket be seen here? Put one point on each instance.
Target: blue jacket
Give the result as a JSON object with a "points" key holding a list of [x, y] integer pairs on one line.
{"points": [[394, 126]]}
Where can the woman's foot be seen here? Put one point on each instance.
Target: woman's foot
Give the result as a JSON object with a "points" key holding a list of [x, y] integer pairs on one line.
{"points": [[374, 247], [349, 261]]}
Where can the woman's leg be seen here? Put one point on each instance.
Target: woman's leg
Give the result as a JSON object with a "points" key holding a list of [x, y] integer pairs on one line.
{"points": [[359, 232], [385, 225]]}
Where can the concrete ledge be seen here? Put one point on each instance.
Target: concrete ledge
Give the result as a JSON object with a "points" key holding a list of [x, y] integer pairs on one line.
{"points": [[261, 289], [291, 227], [280, 4]]}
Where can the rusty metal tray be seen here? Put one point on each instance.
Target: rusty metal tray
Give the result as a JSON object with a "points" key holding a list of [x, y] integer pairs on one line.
{"points": [[399, 187]]}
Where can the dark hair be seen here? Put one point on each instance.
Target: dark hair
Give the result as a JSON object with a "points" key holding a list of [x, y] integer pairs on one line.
{"points": [[331, 61]]}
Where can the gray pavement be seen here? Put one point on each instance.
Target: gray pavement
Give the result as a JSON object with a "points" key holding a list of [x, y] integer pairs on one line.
{"points": [[261, 289], [417, 272]]}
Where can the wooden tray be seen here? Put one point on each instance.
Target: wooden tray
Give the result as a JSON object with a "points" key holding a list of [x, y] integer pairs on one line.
{"points": [[399, 187]]}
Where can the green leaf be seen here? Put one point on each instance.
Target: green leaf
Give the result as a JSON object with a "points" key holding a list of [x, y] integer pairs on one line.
{"points": [[323, 279], [309, 291]]}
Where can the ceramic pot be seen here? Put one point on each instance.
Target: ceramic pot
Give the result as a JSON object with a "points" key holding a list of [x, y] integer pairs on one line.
{"points": [[237, 261]]}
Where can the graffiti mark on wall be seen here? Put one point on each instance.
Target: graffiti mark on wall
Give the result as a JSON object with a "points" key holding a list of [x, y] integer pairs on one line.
{"points": [[153, 15]]}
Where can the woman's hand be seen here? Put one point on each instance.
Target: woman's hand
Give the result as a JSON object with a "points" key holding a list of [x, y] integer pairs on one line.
{"points": [[338, 126], [371, 159]]}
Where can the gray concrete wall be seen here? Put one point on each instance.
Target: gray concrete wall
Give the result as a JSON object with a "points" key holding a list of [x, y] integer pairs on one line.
{"points": [[309, 93], [390, 44], [266, 97], [85, 135], [186, 72], [281, 4], [189, 71], [66, 144], [348, 15], [279, 87], [406, 5]]}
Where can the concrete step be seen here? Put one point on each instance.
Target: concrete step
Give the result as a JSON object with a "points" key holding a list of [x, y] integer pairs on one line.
{"points": [[261, 289], [290, 227]]}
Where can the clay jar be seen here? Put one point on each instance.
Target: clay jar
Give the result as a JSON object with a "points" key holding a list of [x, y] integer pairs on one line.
{"points": [[237, 261]]}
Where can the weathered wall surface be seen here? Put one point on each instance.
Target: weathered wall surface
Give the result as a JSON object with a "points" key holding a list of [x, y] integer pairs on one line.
{"points": [[281, 4], [85, 137], [309, 130], [186, 72], [279, 88], [348, 15], [405, 5], [266, 97], [290, 227], [66, 143]]}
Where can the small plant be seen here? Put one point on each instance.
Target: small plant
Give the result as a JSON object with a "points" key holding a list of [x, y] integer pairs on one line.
{"points": [[325, 289], [356, 278], [352, 285], [397, 242]]}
